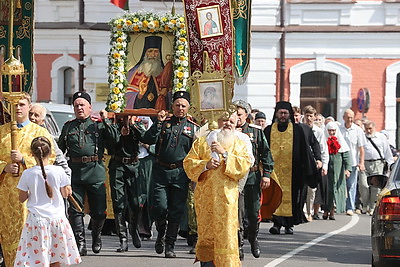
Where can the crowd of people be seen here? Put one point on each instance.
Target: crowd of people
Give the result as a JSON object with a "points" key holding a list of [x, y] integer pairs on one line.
{"points": [[216, 185]]}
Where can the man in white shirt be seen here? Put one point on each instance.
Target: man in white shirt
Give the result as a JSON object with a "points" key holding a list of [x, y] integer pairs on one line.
{"points": [[376, 153], [356, 140]]}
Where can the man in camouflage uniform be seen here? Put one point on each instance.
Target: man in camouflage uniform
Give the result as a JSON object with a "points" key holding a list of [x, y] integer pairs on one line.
{"points": [[257, 179], [173, 137], [84, 139]]}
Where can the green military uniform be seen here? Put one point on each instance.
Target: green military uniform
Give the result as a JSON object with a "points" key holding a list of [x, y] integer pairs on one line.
{"points": [[124, 180], [252, 189], [84, 140], [173, 138]]}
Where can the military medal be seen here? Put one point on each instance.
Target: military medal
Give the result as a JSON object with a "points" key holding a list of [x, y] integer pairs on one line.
{"points": [[187, 130], [168, 125]]}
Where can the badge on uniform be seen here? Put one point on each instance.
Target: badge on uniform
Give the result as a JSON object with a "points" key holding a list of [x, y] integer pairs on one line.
{"points": [[168, 125], [187, 130]]}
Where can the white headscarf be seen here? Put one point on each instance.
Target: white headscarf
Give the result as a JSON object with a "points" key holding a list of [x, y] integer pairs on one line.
{"points": [[343, 144]]}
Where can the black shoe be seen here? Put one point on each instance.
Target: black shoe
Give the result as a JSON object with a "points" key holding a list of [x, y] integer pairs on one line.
{"points": [[332, 217], [316, 217], [255, 249], [159, 246], [289, 230], [123, 247], [275, 230], [136, 239]]}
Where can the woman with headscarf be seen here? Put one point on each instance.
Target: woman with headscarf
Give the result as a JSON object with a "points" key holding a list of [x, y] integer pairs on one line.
{"points": [[339, 169]]}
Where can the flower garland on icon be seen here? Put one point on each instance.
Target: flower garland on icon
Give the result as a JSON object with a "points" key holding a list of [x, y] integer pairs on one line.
{"points": [[117, 58], [333, 145]]}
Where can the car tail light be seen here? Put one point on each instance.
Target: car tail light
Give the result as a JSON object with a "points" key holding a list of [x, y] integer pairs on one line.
{"points": [[389, 209]]}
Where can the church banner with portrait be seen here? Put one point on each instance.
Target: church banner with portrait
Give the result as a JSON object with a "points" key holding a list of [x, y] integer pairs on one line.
{"points": [[210, 31], [148, 61]]}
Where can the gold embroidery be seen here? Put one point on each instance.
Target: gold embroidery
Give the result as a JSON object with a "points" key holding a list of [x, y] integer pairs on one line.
{"points": [[240, 10], [282, 150]]}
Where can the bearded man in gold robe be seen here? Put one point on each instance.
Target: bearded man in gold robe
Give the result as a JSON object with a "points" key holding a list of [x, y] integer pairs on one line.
{"points": [[216, 163], [12, 163]]}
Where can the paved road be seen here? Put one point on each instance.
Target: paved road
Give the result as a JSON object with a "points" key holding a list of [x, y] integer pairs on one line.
{"points": [[343, 242]]}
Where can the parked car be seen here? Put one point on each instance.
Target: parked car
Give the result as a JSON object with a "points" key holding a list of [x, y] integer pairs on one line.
{"points": [[57, 115], [385, 223]]}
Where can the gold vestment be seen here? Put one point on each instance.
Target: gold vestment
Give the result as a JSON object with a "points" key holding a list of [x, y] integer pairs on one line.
{"points": [[216, 201], [12, 211]]}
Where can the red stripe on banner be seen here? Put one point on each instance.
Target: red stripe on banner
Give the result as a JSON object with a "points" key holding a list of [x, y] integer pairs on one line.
{"points": [[209, 33], [119, 3]]}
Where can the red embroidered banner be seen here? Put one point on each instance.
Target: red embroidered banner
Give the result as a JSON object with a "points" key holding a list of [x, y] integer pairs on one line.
{"points": [[210, 29]]}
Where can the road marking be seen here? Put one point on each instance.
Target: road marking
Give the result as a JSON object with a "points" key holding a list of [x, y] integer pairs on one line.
{"points": [[354, 220]]}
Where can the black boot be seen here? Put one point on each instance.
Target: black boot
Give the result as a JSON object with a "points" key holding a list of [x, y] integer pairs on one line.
{"points": [[133, 229], [241, 243], [170, 238], [160, 226], [253, 233], [97, 225], [193, 249], [78, 227], [120, 226]]}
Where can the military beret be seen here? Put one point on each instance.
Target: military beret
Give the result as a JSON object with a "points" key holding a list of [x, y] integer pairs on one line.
{"points": [[260, 115], [83, 95], [243, 104], [181, 94]]}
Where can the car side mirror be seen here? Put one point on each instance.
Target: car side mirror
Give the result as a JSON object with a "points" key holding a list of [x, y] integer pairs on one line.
{"points": [[378, 181]]}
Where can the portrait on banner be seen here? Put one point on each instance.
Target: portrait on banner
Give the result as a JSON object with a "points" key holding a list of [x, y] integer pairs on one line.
{"points": [[149, 71], [211, 95], [209, 20]]}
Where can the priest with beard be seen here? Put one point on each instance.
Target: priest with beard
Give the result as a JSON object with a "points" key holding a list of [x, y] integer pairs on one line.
{"points": [[149, 81], [216, 162], [293, 166]]}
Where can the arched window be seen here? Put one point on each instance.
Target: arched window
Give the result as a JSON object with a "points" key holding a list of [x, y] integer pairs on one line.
{"points": [[319, 89], [69, 85]]}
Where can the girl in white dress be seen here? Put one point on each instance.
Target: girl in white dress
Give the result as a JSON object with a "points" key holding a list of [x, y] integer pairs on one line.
{"points": [[47, 238]]}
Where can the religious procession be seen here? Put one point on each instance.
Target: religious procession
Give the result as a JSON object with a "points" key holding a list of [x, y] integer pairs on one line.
{"points": [[173, 152]]}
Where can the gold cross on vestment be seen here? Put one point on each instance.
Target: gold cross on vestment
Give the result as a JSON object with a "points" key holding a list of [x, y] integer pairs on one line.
{"points": [[241, 54]]}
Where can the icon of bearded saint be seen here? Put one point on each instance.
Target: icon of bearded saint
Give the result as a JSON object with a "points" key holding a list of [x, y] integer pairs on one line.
{"points": [[150, 82]]}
